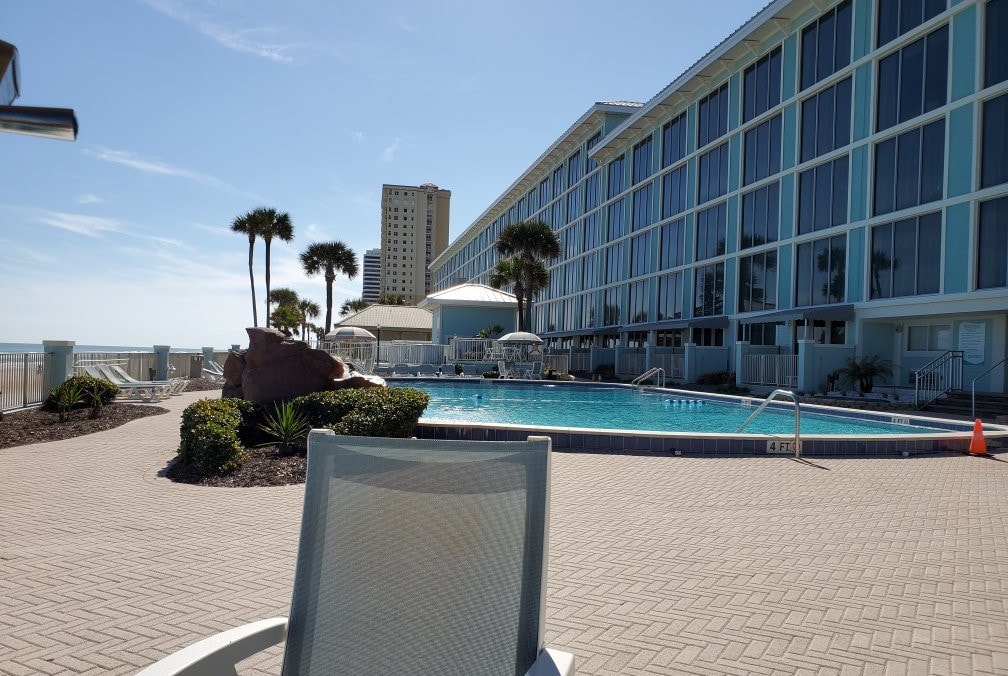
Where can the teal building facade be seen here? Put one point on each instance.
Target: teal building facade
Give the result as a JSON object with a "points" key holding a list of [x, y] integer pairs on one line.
{"points": [[830, 181]]}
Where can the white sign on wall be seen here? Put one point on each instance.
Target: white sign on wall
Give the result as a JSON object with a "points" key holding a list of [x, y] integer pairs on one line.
{"points": [[972, 341]]}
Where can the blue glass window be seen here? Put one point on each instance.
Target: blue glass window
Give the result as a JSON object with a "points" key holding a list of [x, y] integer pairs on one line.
{"points": [[674, 141], [826, 45], [711, 231], [761, 85], [758, 282], [822, 196], [642, 160], [913, 80], [712, 114], [670, 288], [708, 290], [712, 181], [896, 17], [761, 215], [906, 257], [672, 252], [820, 270], [762, 150], [826, 120], [910, 168]]}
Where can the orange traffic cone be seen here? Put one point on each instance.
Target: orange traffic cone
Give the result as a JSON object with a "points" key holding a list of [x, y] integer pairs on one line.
{"points": [[977, 445]]}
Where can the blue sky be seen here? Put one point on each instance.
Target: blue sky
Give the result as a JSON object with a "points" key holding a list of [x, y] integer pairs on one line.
{"points": [[192, 112]]}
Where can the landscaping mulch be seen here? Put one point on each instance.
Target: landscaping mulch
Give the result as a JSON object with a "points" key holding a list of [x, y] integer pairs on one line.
{"points": [[35, 425], [262, 467]]}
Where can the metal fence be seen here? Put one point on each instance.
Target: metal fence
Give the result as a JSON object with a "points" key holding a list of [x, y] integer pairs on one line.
{"points": [[22, 379], [770, 369]]}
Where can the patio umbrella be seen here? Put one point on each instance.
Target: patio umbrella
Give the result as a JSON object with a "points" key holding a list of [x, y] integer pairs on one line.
{"points": [[520, 337], [350, 334]]}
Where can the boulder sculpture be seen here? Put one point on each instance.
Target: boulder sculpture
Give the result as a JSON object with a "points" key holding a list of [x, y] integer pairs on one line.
{"points": [[276, 368]]}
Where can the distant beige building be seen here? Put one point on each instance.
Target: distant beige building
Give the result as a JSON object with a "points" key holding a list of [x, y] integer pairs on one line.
{"points": [[414, 231]]}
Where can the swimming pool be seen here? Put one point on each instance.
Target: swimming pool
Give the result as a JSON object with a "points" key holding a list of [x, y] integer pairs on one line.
{"points": [[587, 416]]}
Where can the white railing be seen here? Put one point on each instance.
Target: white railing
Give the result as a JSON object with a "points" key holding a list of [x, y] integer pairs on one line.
{"points": [[22, 379], [632, 363], [468, 349], [579, 362], [411, 352], [770, 369], [656, 372], [559, 363], [361, 355], [938, 377]]}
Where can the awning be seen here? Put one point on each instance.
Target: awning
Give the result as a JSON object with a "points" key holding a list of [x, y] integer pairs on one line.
{"points": [[720, 322], [823, 312], [664, 325]]}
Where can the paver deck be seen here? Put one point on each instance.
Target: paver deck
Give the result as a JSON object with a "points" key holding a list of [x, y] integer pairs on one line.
{"points": [[658, 565]]}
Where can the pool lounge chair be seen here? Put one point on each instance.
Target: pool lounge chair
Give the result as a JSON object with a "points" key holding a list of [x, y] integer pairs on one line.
{"points": [[449, 576], [213, 371], [145, 393], [118, 375]]}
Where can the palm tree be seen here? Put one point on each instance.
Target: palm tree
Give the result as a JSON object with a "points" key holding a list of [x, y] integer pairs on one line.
{"points": [[309, 310], [329, 258], [532, 243], [353, 305], [508, 272], [391, 299], [284, 297], [272, 223], [248, 225]]}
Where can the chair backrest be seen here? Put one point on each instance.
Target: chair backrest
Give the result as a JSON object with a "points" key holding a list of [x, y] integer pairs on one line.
{"points": [[420, 557]]}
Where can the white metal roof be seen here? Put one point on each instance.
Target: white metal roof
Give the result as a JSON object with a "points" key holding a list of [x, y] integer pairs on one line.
{"points": [[472, 295]]}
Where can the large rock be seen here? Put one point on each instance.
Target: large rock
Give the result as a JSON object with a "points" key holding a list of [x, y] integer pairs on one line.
{"points": [[275, 368]]}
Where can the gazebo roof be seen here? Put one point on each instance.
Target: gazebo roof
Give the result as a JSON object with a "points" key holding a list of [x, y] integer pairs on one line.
{"points": [[390, 317], [470, 295]]}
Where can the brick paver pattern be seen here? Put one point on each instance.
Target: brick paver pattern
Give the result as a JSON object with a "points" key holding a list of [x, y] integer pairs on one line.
{"points": [[658, 565]]}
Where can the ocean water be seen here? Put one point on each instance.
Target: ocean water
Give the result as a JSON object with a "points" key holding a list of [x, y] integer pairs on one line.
{"points": [[37, 347]]}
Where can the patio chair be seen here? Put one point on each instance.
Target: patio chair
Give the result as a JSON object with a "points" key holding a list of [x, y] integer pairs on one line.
{"points": [[415, 557], [145, 393], [117, 375], [536, 372], [426, 370], [213, 371]]}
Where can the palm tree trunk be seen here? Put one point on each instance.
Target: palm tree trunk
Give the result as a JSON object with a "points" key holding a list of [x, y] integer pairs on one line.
{"points": [[255, 316], [329, 278], [267, 283]]}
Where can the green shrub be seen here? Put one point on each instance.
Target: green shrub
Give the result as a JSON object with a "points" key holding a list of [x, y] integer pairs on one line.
{"points": [[209, 435], [91, 389], [367, 412]]}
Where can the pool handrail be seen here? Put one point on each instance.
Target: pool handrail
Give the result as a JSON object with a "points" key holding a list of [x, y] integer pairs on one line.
{"points": [[797, 417], [647, 375], [973, 399]]}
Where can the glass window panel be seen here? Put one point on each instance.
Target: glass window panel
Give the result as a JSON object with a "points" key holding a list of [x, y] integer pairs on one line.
{"points": [[908, 169], [932, 158], [775, 145], [745, 284], [843, 36], [825, 50], [936, 81], [994, 144], [995, 44], [888, 20], [885, 176], [992, 256], [839, 191], [774, 80], [881, 261], [911, 15], [748, 220], [773, 212], [838, 269], [803, 282], [842, 114], [824, 134], [911, 89], [888, 91], [904, 257], [749, 93], [808, 56], [760, 216], [820, 271], [762, 89], [917, 338], [770, 281], [762, 151], [806, 201], [823, 216], [749, 162], [809, 115], [929, 253]]}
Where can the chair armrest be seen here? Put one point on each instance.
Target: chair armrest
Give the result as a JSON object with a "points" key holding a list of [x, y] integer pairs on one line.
{"points": [[219, 653], [552, 663]]}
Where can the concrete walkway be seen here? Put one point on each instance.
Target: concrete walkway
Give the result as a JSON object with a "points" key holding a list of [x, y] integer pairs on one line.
{"points": [[657, 565]]}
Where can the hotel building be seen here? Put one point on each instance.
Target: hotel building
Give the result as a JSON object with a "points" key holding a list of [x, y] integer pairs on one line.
{"points": [[829, 181], [414, 231], [372, 275]]}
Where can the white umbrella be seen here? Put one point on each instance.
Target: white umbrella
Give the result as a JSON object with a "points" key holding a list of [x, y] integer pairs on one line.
{"points": [[350, 334], [520, 337]]}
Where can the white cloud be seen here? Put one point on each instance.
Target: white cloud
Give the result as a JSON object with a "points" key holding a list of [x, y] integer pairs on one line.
{"points": [[88, 198], [150, 166], [238, 39], [405, 25], [389, 154], [89, 226]]}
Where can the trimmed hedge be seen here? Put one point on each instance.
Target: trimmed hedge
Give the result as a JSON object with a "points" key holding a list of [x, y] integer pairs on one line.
{"points": [[367, 412], [215, 432], [210, 435], [89, 387]]}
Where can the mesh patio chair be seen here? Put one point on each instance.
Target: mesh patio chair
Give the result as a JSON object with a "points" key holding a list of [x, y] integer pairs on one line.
{"points": [[415, 557]]}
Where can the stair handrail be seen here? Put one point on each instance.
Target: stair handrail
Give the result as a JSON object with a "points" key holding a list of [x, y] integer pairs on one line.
{"points": [[650, 373], [973, 398], [797, 417], [951, 360]]}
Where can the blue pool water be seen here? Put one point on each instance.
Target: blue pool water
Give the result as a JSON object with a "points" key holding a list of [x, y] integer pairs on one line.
{"points": [[621, 408]]}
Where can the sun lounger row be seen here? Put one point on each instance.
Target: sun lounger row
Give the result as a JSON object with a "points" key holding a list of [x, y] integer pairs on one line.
{"points": [[131, 388], [213, 371]]}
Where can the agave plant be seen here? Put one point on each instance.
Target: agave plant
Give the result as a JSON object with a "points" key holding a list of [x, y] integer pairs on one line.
{"points": [[287, 427], [66, 396]]}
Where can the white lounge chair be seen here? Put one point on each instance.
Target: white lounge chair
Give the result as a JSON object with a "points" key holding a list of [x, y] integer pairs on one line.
{"points": [[145, 393], [213, 371], [415, 557], [119, 376]]}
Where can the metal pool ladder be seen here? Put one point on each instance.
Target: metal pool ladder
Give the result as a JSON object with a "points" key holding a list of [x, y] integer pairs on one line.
{"points": [[797, 416], [647, 375]]}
